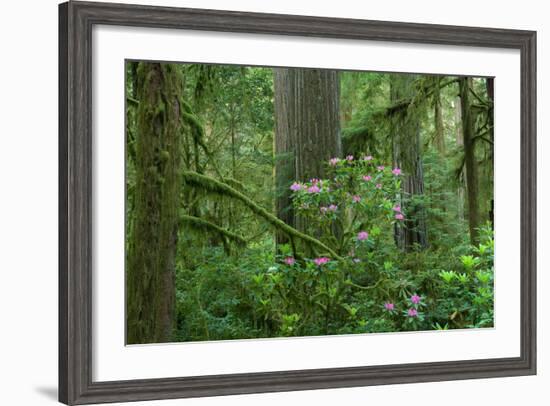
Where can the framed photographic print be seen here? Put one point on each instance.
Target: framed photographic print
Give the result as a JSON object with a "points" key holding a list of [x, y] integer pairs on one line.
{"points": [[257, 202]]}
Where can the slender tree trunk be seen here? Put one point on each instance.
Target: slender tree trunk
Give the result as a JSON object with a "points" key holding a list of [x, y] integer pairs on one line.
{"points": [[407, 155], [460, 143], [150, 268], [307, 131], [490, 84], [470, 161], [233, 146], [439, 139]]}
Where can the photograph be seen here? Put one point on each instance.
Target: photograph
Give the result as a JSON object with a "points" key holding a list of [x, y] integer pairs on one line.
{"points": [[268, 202]]}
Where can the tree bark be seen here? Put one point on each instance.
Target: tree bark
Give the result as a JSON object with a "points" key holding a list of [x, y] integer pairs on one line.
{"points": [[460, 143], [439, 139], [151, 252], [470, 161], [406, 145], [307, 131], [490, 85]]}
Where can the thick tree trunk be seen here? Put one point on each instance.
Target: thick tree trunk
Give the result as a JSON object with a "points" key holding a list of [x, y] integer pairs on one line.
{"points": [[470, 161], [307, 131], [150, 264], [407, 156]]}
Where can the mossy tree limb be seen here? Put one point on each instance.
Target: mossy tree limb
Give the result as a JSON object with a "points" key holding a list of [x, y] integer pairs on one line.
{"points": [[202, 224], [215, 186]]}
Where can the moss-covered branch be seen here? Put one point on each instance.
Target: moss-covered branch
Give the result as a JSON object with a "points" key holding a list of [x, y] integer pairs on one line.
{"points": [[423, 93], [197, 131], [203, 224], [215, 186]]}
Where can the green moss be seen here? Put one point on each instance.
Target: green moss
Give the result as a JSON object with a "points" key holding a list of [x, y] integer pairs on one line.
{"points": [[150, 265]]}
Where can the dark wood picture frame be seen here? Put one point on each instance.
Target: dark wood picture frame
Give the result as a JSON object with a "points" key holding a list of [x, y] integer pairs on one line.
{"points": [[76, 20]]}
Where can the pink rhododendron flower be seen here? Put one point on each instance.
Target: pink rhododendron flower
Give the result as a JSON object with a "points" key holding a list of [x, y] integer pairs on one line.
{"points": [[415, 299], [399, 216], [380, 168], [363, 235], [333, 207], [389, 306], [356, 198], [320, 261], [367, 158], [412, 313], [334, 161], [349, 158], [378, 186], [290, 260], [396, 171], [295, 187], [366, 178], [397, 208], [314, 189], [314, 181]]}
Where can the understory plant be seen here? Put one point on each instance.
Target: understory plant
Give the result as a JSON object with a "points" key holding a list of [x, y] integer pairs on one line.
{"points": [[372, 286]]}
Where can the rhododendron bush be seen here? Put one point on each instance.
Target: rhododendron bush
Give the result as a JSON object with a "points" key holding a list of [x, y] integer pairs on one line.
{"points": [[360, 199], [367, 287]]}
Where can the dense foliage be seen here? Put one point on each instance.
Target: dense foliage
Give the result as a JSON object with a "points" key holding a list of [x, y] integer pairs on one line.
{"points": [[378, 240]]}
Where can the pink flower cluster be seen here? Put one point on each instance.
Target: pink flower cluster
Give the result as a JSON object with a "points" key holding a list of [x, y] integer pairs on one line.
{"points": [[412, 312], [415, 299], [296, 186], [362, 236], [366, 178], [389, 306], [356, 199], [313, 189], [290, 261], [398, 214], [396, 171], [334, 161], [321, 261], [333, 208]]}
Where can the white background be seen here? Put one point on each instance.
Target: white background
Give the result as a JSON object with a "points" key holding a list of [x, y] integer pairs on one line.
{"points": [[113, 361], [28, 203]]}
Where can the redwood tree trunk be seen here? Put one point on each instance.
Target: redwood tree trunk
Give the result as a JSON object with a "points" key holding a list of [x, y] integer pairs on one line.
{"points": [[307, 131], [151, 251], [405, 126]]}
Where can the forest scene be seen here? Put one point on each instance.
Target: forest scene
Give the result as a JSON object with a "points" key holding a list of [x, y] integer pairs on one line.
{"points": [[280, 202]]}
